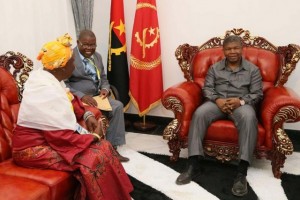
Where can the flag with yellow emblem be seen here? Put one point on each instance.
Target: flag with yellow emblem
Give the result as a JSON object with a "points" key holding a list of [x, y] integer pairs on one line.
{"points": [[117, 65], [146, 84]]}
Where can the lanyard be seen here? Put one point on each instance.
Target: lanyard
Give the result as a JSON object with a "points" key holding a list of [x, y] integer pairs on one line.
{"points": [[96, 68]]}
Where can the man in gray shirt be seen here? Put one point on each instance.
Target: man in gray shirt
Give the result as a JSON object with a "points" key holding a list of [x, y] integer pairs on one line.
{"points": [[232, 88]]}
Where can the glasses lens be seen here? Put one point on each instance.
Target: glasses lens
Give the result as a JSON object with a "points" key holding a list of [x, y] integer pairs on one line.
{"points": [[88, 45]]}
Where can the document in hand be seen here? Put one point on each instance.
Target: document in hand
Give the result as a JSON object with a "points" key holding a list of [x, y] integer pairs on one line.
{"points": [[103, 103]]}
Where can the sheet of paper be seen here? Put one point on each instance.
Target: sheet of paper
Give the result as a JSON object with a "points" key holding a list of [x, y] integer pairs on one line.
{"points": [[103, 104]]}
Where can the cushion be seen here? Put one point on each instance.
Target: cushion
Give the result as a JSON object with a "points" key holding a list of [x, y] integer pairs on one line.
{"points": [[18, 188], [60, 183]]}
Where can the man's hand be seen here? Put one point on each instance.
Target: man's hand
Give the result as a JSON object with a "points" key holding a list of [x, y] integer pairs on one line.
{"points": [[226, 105], [104, 93], [233, 103], [89, 100]]}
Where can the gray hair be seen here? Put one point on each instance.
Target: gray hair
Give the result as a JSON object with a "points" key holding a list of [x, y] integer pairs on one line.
{"points": [[232, 38]]}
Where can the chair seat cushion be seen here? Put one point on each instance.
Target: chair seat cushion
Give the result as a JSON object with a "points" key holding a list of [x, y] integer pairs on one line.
{"points": [[59, 182], [224, 131], [13, 188]]}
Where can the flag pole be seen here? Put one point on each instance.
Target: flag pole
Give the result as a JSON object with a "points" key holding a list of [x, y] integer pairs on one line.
{"points": [[144, 125], [145, 83]]}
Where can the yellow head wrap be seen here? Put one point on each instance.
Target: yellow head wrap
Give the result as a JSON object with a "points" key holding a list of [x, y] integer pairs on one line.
{"points": [[56, 54]]}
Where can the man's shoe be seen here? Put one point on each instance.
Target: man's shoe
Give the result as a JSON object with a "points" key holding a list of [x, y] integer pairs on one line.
{"points": [[240, 185], [186, 176], [122, 158]]}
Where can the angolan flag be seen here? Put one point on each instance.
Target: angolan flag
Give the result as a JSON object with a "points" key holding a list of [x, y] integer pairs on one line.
{"points": [[146, 84], [117, 65]]}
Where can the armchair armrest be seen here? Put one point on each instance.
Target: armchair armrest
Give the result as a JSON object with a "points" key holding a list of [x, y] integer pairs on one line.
{"points": [[280, 105], [182, 99]]}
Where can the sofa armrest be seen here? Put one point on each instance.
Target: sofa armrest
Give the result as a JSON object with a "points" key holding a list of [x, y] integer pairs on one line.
{"points": [[280, 105], [182, 99]]}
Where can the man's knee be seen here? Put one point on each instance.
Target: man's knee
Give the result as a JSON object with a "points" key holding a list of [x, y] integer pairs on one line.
{"points": [[207, 112], [119, 105], [248, 117]]}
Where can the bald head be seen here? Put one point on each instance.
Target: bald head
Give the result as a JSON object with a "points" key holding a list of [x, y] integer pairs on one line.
{"points": [[86, 43], [86, 33]]}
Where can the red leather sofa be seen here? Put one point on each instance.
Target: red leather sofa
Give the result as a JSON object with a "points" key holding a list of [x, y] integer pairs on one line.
{"points": [[18, 183], [280, 104]]}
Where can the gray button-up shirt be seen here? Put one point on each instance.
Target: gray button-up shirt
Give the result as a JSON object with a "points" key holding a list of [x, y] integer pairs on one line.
{"points": [[244, 82]]}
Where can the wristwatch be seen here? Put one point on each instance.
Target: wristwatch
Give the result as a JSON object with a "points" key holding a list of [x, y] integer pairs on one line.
{"points": [[242, 102]]}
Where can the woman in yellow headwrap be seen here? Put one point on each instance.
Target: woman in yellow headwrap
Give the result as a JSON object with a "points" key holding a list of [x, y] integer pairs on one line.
{"points": [[48, 136]]}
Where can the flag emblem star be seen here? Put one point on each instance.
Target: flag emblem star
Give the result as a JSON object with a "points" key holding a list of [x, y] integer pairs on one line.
{"points": [[121, 27], [117, 51]]}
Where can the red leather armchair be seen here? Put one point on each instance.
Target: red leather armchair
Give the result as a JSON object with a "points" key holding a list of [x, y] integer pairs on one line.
{"points": [[280, 104], [18, 182]]}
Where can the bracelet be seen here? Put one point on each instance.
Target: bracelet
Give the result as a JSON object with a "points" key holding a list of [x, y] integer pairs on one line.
{"points": [[87, 114], [96, 135], [88, 117]]}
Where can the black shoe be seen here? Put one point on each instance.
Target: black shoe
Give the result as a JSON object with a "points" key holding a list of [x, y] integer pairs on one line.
{"points": [[186, 176], [122, 158], [119, 156], [240, 185]]}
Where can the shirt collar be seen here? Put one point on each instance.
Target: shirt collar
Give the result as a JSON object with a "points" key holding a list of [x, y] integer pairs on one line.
{"points": [[242, 66]]}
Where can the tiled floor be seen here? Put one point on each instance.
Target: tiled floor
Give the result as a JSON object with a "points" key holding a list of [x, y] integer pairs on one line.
{"points": [[163, 179], [149, 143], [259, 174]]}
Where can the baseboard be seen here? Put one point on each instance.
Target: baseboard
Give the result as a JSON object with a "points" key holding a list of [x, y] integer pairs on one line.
{"points": [[155, 119], [166, 120]]}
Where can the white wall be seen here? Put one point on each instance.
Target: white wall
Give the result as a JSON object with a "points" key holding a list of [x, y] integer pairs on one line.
{"points": [[181, 21], [195, 21], [26, 25]]}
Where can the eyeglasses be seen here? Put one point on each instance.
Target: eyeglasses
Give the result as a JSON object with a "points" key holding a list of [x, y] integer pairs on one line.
{"points": [[86, 46]]}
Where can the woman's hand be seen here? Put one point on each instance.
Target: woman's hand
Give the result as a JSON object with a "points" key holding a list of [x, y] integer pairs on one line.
{"points": [[94, 126], [91, 124]]}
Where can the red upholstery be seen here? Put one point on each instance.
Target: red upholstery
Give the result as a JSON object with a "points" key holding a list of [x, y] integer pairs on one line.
{"points": [[268, 62], [18, 182], [8, 99], [61, 184], [280, 104], [13, 188]]}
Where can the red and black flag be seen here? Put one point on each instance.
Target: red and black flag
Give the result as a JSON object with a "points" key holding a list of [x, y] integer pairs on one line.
{"points": [[117, 65], [146, 84]]}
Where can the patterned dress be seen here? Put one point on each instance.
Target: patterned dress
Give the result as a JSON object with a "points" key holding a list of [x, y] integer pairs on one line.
{"points": [[94, 164]]}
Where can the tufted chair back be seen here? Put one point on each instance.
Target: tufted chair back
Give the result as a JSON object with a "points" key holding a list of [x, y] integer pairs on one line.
{"points": [[10, 95], [9, 105], [267, 61]]}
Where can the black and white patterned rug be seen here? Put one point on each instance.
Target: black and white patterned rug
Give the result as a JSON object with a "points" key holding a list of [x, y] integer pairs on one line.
{"points": [[153, 175]]}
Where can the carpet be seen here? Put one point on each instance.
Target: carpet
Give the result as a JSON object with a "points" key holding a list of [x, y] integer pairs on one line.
{"points": [[153, 175]]}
